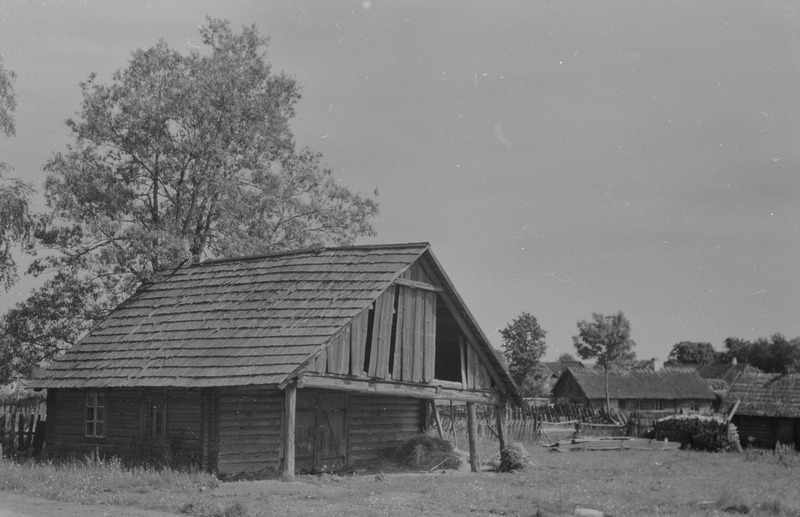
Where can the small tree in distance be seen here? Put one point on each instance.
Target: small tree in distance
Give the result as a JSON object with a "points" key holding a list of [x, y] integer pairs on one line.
{"points": [[566, 358], [689, 352], [607, 340], [523, 348]]}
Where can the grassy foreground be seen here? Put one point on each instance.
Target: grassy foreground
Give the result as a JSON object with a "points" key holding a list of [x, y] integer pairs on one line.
{"points": [[618, 483]]}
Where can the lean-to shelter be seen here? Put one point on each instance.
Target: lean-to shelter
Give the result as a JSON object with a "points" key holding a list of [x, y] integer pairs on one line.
{"points": [[300, 361]]}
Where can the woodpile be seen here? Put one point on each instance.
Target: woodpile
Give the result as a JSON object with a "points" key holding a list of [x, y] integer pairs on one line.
{"points": [[616, 443], [708, 433]]}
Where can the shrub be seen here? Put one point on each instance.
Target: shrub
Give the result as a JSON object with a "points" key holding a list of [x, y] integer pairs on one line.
{"points": [[513, 457]]}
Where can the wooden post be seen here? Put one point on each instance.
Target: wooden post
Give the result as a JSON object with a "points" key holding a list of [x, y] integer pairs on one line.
{"points": [[436, 418], [290, 415], [453, 421], [472, 421], [499, 412]]}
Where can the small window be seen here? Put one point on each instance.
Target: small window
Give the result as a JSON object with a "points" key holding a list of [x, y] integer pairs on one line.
{"points": [[155, 408], [695, 405], [658, 405], [95, 414]]}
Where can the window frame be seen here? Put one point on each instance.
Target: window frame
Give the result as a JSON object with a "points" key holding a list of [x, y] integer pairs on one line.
{"points": [[154, 420], [94, 420]]}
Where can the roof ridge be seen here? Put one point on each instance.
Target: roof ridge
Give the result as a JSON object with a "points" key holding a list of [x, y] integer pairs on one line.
{"points": [[316, 250]]}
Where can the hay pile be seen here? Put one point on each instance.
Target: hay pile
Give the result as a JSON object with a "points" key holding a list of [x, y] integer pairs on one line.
{"points": [[426, 452]]}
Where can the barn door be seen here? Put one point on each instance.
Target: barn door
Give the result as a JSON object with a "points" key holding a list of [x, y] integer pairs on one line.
{"points": [[331, 453], [321, 431]]}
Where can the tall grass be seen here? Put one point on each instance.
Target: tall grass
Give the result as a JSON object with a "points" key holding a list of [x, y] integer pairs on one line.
{"points": [[102, 481]]}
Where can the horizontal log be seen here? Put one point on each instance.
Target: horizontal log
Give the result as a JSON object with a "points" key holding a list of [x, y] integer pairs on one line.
{"points": [[400, 389], [417, 285]]}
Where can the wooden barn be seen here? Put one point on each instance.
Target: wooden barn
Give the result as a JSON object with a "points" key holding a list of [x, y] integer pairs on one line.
{"points": [[669, 389], [314, 360], [767, 408]]}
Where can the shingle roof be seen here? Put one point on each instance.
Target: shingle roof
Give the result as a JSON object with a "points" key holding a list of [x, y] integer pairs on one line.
{"points": [[723, 371], [765, 394], [237, 322], [673, 383]]}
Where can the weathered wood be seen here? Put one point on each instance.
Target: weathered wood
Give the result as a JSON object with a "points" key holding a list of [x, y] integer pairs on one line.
{"points": [[491, 398], [499, 415], [436, 419], [406, 327], [463, 346], [472, 431], [397, 359], [430, 337], [358, 338], [290, 402], [417, 285], [419, 336], [465, 329], [382, 332]]}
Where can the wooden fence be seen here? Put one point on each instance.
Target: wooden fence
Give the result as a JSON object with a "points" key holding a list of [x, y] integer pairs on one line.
{"points": [[533, 423], [22, 428]]}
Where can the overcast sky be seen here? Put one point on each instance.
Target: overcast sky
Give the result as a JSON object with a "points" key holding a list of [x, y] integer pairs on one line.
{"points": [[562, 158]]}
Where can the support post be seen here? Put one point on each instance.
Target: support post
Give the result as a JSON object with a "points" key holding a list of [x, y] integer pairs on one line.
{"points": [[499, 416], [437, 419], [290, 416], [472, 428]]}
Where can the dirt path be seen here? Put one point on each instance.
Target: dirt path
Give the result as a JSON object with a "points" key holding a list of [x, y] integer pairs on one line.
{"points": [[16, 505]]}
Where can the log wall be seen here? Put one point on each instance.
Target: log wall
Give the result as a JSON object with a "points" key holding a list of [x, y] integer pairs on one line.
{"points": [[249, 431], [377, 423], [66, 423]]}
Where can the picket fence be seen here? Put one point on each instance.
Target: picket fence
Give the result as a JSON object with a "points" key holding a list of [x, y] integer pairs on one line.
{"points": [[22, 427]]}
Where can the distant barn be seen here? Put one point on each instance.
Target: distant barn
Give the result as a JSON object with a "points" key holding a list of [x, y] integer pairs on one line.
{"points": [[669, 389], [313, 361], [767, 408]]}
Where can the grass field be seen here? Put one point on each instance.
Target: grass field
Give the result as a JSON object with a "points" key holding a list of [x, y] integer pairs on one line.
{"points": [[619, 483]]}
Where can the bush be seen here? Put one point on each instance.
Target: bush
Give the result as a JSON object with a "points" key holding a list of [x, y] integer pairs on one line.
{"points": [[513, 457]]}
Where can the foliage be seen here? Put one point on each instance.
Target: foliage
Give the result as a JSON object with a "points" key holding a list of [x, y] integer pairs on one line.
{"points": [[607, 340], [774, 355], [524, 347], [181, 157], [689, 352], [16, 221], [566, 358], [8, 101]]}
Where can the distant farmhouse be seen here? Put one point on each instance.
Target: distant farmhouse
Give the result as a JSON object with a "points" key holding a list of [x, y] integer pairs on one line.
{"points": [[317, 360], [767, 408], [667, 389]]}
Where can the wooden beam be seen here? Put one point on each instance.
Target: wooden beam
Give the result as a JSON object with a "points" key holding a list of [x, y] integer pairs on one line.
{"points": [[417, 285], [437, 419], [421, 391], [290, 411], [499, 416], [472, 431]]}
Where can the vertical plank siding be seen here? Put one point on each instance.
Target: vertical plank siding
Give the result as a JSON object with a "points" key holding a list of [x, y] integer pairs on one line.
{"points": [[249, 431], [403, 351], [378, 423]]}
